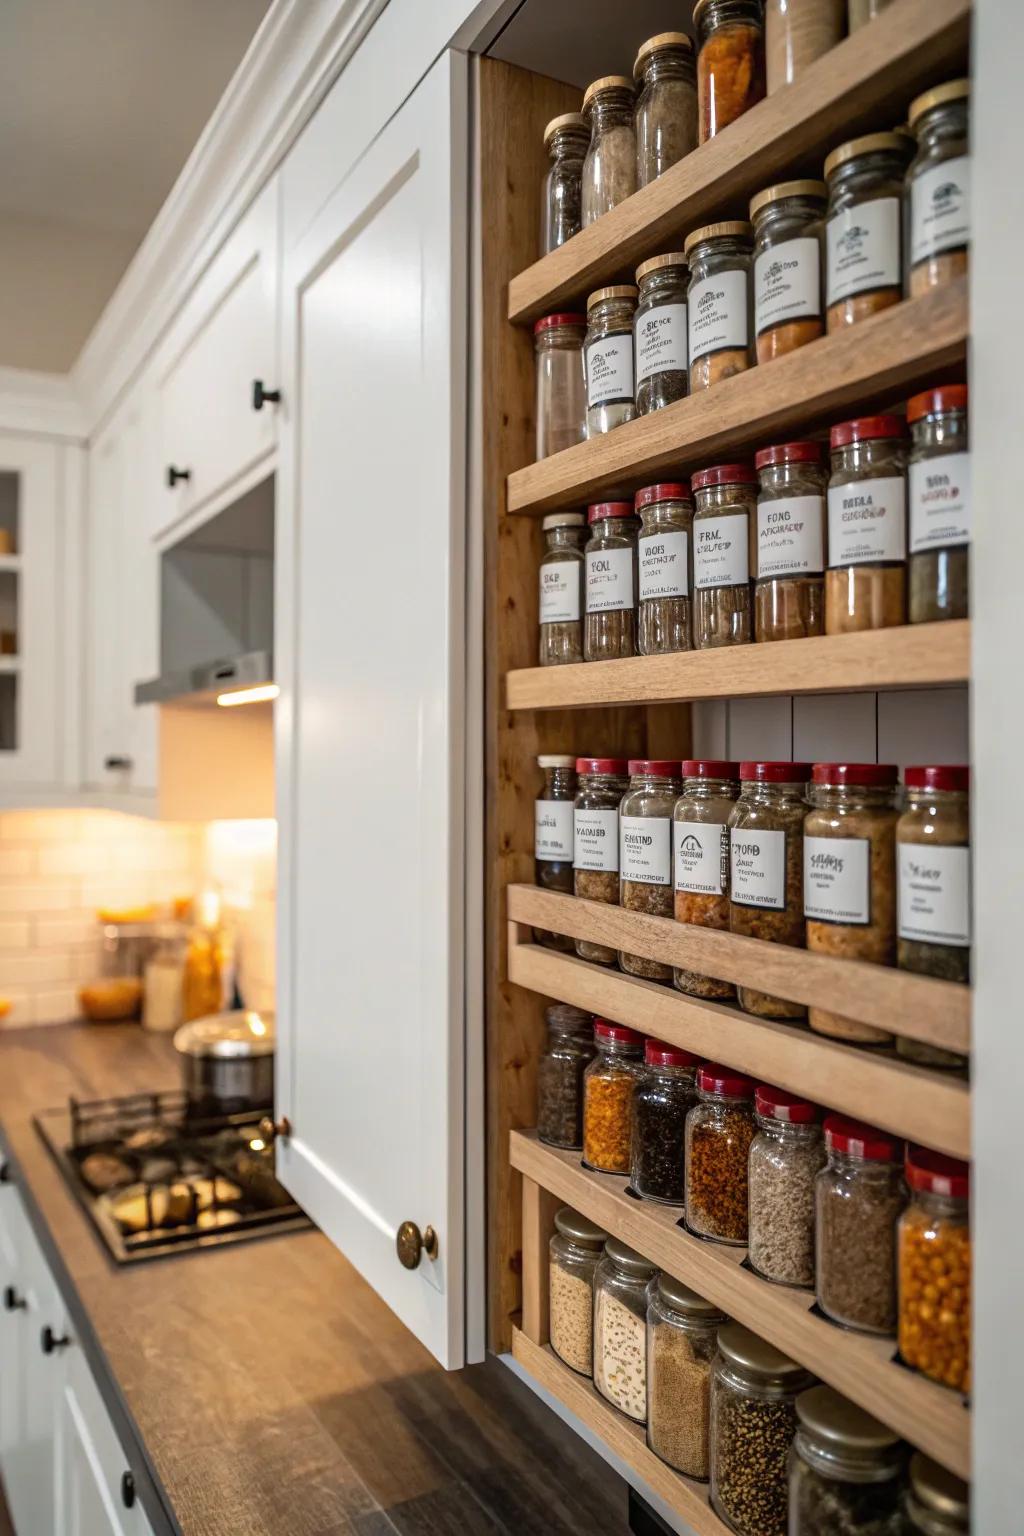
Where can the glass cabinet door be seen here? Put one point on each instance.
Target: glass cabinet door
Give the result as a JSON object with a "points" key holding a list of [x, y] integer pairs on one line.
{"points": [[33, 704]]}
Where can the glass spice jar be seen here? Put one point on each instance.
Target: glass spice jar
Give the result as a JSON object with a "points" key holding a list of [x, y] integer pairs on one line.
{"points": [[789, 593], [609, 166], [566, 139], [682, 1341], [766, 869], [569, 1051], [939, 187], [573, 1256], [846, 1472], [937, 1502], [786, 1156], [863, 266], [857, 1200], [553, 835], [754, 1388], [724, 549], [664, 1093], [934, 1246], [561, 396], [608, 357], [645, 852], [602, 784], [620, 1328], [661, 332], [797, 33], [850, 877], [609, 628], [719, 1130], [608, 1085], [788, 222], [939, 492], [665, 115], [718, 302], [663, 568], [700, 859], [560, 602], [866, 582], [730, 61]]}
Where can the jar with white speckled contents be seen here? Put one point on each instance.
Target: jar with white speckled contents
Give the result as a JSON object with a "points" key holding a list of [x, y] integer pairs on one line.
{"points": [[620, 1328]]}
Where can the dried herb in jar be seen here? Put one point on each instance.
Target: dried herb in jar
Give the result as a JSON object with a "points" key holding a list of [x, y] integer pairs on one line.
{"points": [[560, 598], [609, 628], [602, 784], [857, 1200], [700, 859], [569, 1051], [939, 492], [664, 1093], [719, 1130], [766, 874], [661, 332], [608, 1085], [645, 852]]}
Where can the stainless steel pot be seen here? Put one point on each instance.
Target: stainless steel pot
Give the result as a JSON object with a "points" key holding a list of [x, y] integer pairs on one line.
{"points": [[228, 1061]]}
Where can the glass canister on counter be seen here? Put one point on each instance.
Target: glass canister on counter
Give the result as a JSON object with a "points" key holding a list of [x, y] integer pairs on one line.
{"points": [[609, 166], [560, 599], [620, 1328], [850, 877], [682, 1341], [665, 115], [730, 61], [939, 187], [846, 1473], [569, 1051], [561, 395], [573, 1256], [566, 139], [645, 852], [766, 869], [553, 835], [724, 523], [608, 1085], [934, 1245], [858, 1198], [863, 265], [608, 356], [786, 1157], [661, 332], [937, 1502], [939, 493], [609, 625], [602, 784], [788, 222], [719, 1130], [866, 581], [789, 593], [700, 859], [664, 1094], [753, 1422], [797, 33], [664, 620], [718, 302]]}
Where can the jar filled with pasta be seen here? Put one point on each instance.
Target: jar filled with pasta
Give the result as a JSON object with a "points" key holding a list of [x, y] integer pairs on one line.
{"points": [[609, 625], [934, 1246], [789, 223], [665, 117], [939, 492], [939, 187], [553, 835], [858, 1198], [700, 860], [724, 546], [866, 582], [565, 139], [660, 332], [730, 61], [608, 1085], [621, 1286], [663, 568], [561, 589], [645, 852], [766, 869], [574, 1253], [561, 398], [719, 1130], [608, 355], [863, 264], [609, 166], [719, 302], [602, 784], [789, 593]]}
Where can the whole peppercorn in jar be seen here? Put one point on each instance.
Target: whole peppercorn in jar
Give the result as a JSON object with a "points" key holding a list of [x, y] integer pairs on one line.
{"points": [[730, 61], [938, 1503], [665, 1092], [645, 852], [718, 302], [788, 222], [724, 543], [602, 784], [620, 1328], [609, 628], [682, 1341], [561, 396], [561, 590], [850, 877], [939, 491], [661, 332], [858, 1198], [609, 166], [934, 1243], [663, 568], [786, 1156], [569, 1051], [846, 1474], [939, 187], [789, 594], [574, 1253], [766, 869], [719, 1130], [866, 583], [608, 355], [553, 835], [864, 268], [700, 859], [665, 116], [608, 1085], [566, 139]]}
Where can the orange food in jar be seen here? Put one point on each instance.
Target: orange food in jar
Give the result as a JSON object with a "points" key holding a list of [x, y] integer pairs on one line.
{"points": [[608, 1085], [934, 1259]]}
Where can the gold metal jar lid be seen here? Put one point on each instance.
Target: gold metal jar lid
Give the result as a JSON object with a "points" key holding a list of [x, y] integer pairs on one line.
{"points": [[567, 120], [607, 83], [661, 40], [841, 1426], [784, 189], [941, 1492], [869, 143], [616, 291], [736, 228], [748, 1352], [953, 90], [657, 263]]}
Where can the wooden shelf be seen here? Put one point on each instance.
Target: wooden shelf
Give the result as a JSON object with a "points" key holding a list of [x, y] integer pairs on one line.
{"points": [[863, 1368], [912, 656], [918, 1103], [863, 84]]}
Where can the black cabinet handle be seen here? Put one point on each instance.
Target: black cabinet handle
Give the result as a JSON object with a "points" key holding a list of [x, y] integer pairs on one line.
{"points": [[117, 762], [12, 1301], [174, 475], [127, 1489], [5, 1173], [50, 1341], [262, 397]]}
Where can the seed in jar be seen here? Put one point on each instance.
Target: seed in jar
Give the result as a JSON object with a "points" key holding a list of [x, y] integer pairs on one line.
{"points": [[571, 1323], [679, 1399], [752, 1444]]}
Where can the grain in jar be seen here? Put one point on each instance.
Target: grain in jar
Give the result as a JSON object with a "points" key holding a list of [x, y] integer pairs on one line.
{"points": [[645, 852], [608, 358], [609, 166], [786, 1156], [608, 1085], [609, 625], [620, 1328], [660, 332], [561, 395], [719, 302], [858, 1198], [553, 835], [846, 1473], [665, 116], [719, 1130], [934, 1246], [789, 222], [664, 620], [569, 1051], [700, 860], [560, 597], [602, 783], [850, 877], [730, 61], [939, 187], [796, 34], [939, 493], [938, 1503], [866, 581], [666, 1090], [789, 593], [724, 552], [573, 1255], [682, 1341], [863, 261], [766, 869], [566, 139]]}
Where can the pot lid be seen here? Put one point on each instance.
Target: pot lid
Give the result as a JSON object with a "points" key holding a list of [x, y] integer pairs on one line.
{"points": [[242, 1032]]}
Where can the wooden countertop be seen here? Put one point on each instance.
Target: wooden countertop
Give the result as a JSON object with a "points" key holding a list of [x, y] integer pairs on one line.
{"points": [[271, 1390]]}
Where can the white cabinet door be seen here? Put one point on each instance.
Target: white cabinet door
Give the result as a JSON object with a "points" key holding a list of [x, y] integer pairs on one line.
{"points": [[90, 1463], [29, 1481], [12, 1332], [370, 576], [32, 688]]}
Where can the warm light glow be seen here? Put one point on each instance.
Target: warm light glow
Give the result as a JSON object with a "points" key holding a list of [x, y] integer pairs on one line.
{"points": [[208, 909], [260, 695]]}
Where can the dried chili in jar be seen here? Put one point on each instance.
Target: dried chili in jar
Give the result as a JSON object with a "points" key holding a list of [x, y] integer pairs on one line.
{"points": [[608, 1085], [934, 1245], [730, 63], [719, 1130]]}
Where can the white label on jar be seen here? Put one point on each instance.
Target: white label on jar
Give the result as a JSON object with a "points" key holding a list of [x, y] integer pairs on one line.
{"points": [[757, 868], [597, 840], [940, 502], [940, 213], [664, 565], [791, 536], [718, 313], [721, 554], [552, 829], [645, 849], [934, 894], [610, 370], [837, 879], [609, 580], [867, 521], [559, 592], [701, 857], [660, 340], [863, 249], [787, 283]]}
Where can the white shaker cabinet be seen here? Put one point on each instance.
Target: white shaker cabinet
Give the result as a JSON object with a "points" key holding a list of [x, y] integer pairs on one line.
{"points": [[95, 1493]]}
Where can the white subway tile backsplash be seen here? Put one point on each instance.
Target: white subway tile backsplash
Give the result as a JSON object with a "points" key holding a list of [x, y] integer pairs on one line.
{"points": [[83, 858], [69, 932], [23, 899], [55, 1007], [16, 934], [34, 969], [17, 861]]}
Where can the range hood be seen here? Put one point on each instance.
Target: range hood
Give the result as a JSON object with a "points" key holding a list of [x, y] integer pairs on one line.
{"points": [[215, 682]]}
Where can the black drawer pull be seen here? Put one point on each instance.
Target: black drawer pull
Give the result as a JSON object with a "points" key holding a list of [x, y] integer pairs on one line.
{"points": [[262, 397], [127, 1489], [50, 1341], [174, 475], [12, 1301]]}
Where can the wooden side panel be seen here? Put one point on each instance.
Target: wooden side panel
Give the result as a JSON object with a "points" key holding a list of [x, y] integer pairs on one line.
{"points": [[539, 1207]]}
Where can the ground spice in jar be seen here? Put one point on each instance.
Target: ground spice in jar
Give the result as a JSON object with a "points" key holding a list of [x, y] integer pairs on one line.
{"points": [[609, 167], [661, 332], [608, 1085], [663, 567], [602, 784], [645, 852], [608, 358], [718, 302], [700, 859], [620, 1328], [863, 269], [866, 581], [789, 593], [934, 865], [730, 63], [935, 1270], [939, 492], [766, 869], [938, 187], [786, 1156], [569, 1050], [665, 118], [682, 1340], [665, 1091], [560, 597], [575, 1251], [858, 1198], [719, 1130], [724, 552], [788, 222], [610, 582], [553, 835]]}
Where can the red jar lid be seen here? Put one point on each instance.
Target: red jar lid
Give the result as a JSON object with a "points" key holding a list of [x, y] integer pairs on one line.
{"points": [[715, 1079], [658, 1054], [548, 322], [620, 1032], [865, 429], [882, 775], [669, 490], [659, 768], [788, 453], [601, 765], [932, 402], [777, 1104], [860, 1140], [602, 509], [938, 776], [937, 1175], [724, 474], [709, 768], [776, 773]]}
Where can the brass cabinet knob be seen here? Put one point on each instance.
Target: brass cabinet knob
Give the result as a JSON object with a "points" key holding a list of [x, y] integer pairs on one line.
{"points": [[270, 1129], [411, 1244]]}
